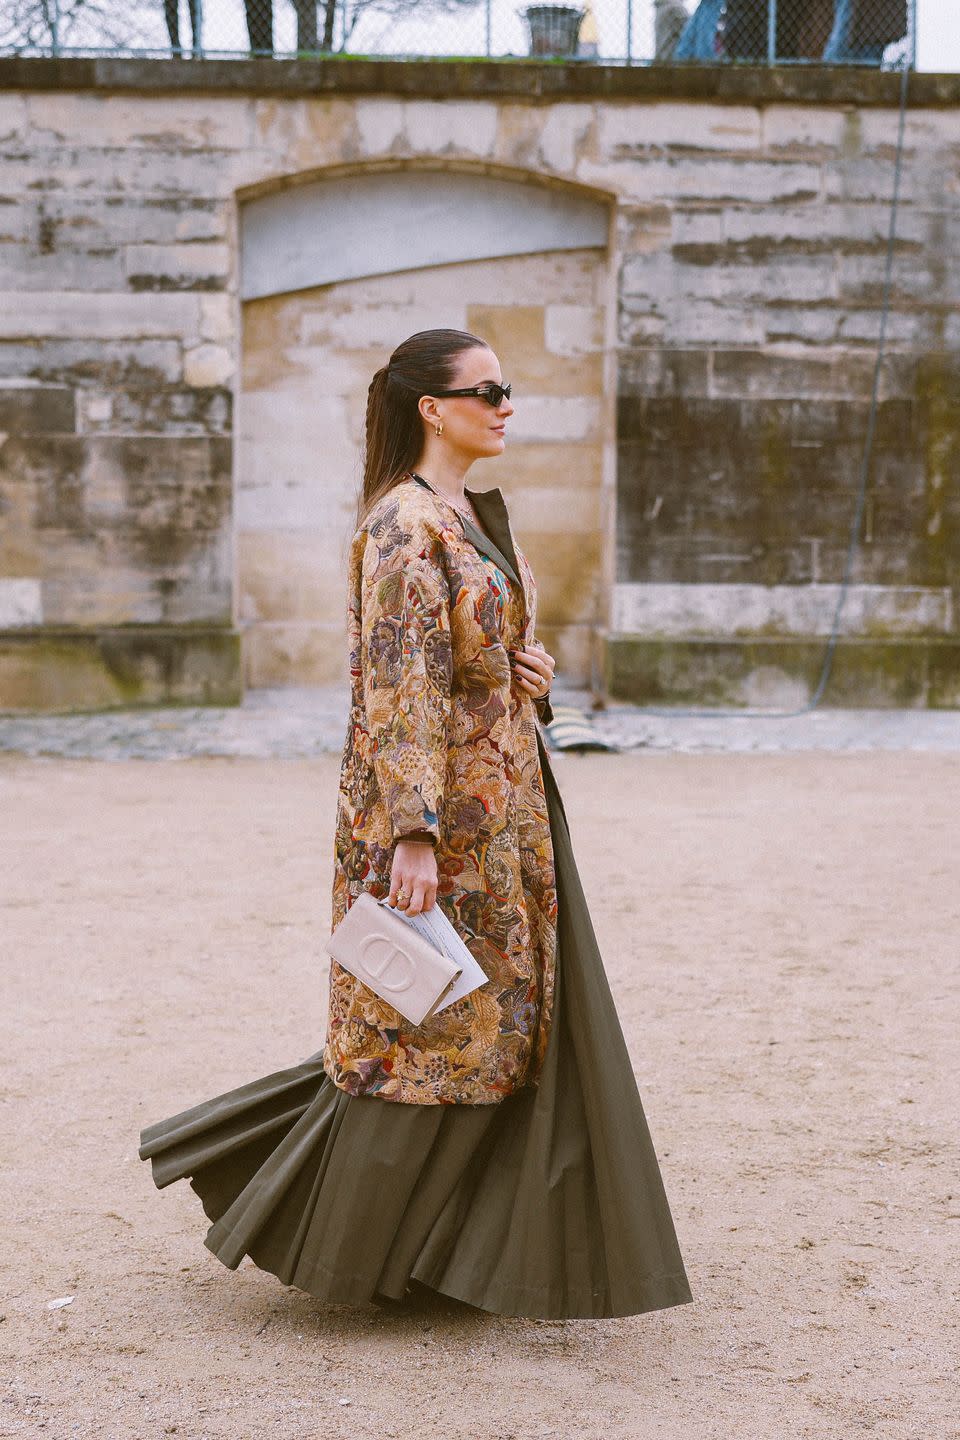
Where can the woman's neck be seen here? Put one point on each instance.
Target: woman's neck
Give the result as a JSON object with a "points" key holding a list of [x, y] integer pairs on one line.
{"points": [[446, 471]]}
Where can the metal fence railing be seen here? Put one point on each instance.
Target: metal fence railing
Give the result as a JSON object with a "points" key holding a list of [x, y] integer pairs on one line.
{"points": [[858, 32]]}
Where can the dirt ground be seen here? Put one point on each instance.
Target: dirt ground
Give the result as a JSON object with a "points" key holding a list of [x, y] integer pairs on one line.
{"points": [[781, 936]]}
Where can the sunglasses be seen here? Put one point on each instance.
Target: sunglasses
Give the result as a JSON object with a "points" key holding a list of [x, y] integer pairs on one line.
{"points": [[493, 394]]}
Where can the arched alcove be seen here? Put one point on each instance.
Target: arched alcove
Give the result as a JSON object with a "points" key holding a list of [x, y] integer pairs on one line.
{"points": [[335, 273], [385, 222]]}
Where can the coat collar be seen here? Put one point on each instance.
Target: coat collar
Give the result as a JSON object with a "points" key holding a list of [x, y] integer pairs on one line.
{"points": [[492, 509], [497, 542]]}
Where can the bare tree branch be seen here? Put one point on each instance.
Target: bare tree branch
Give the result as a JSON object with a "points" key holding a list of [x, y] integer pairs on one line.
{"points": [[40, 26]]}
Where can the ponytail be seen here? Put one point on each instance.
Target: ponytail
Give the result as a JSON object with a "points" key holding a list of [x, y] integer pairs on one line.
{"points": [[393, 435]]}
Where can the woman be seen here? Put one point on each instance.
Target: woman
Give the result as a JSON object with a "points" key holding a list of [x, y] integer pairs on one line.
{"points": [[498, 1153]]}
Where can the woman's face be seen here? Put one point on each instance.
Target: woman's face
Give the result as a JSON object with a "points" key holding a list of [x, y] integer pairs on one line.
{"points": [[471, 425]]}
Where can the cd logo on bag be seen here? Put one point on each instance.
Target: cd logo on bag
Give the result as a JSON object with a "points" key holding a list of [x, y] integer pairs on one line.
{"points": [[387, 963]]}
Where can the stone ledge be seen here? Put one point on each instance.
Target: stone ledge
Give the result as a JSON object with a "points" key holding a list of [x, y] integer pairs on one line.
{"points": [[63, 671], [480, 78], [918, 672]]}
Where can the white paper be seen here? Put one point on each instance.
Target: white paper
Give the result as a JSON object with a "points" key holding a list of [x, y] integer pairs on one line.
{"points": [[434, 926]]}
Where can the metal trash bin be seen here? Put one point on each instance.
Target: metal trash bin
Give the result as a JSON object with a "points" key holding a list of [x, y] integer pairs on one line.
{"points": [[554, 29]]}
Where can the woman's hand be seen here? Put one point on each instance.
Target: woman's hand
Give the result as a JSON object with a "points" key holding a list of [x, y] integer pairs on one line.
{"points": [[534, 669], [413, 878]]}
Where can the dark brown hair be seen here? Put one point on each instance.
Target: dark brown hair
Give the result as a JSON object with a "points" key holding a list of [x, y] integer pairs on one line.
{"points": [[421, 365]]}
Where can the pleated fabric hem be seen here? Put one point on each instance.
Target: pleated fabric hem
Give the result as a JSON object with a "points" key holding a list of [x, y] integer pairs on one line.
{"points": [[336, 1286], [247, 1219], [548, 1205], [542, 1303]]}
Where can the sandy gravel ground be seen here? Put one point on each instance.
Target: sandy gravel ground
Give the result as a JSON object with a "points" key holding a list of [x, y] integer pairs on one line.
{"points": [[781, 934]]}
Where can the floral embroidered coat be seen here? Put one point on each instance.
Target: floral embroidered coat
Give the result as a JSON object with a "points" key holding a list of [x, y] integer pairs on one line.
{"points": [[442, 739]]}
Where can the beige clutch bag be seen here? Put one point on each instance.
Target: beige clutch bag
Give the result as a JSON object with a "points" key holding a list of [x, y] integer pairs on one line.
{"points": [[387, 954]]}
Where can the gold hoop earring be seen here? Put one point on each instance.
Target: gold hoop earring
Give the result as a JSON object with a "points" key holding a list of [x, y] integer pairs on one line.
{"points": [[439, 428]]}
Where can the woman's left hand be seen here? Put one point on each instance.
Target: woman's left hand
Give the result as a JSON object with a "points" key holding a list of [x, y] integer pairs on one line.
{"points": [[534, 668]]}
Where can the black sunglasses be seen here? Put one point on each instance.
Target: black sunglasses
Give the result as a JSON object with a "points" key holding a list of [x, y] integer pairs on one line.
{"points": [[493, 394]]}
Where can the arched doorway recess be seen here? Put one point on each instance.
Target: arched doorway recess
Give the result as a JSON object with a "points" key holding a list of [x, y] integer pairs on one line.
{"points": [[334, 273]]}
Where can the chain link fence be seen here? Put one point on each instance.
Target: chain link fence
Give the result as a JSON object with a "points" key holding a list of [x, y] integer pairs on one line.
{"points": [[775, 32]]}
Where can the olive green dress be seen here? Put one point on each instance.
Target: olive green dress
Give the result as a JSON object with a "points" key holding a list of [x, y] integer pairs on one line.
{"points": [[548, 1204]]}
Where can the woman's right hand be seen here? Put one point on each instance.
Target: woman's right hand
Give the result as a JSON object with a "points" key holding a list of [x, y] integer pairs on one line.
{"points": [[415, 872]]}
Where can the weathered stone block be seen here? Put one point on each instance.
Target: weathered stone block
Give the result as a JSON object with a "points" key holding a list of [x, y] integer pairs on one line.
{"points": [[801, 130], [198, 266], [27, 409], [574, 274], [576, 649], [120, 529], [646, 279], [666, 372], [698, 227], [517, 333], [868, 178], [288, 576], [293, 134], [757, 374], [640, 328], [726, 610], [564, 134], [62, 220], [782, 278], [28, 267], [14, 119], [207, 366], [519, 134], [705, 322], [134, 362], [574, 329], [294, 654], [21, 602], [67, 315], [182, 122], [169, 172], [621, 131], [168, 410], [556, 504], [696, 559], [568, 570], [641, 229], [367, 326], [94, 583], [818, 228], [861, 280], [380, 125], [681, 463], [62, 671], [925, 130], [570, 417], [705, 177], [528, 472], [433, 127], [905, 674], [219, 318], [281, 484]]}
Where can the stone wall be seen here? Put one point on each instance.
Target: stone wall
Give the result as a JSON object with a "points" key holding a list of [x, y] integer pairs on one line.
{"points": [[734, 317], [307, 362]]}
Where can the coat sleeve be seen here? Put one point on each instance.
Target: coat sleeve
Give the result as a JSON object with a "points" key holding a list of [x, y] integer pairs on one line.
{"points": [[542, 706], [544, 709], [408, 674]]}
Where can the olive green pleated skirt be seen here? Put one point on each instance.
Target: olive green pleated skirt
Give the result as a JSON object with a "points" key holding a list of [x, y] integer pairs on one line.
{"points": [[549, 1204]]}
